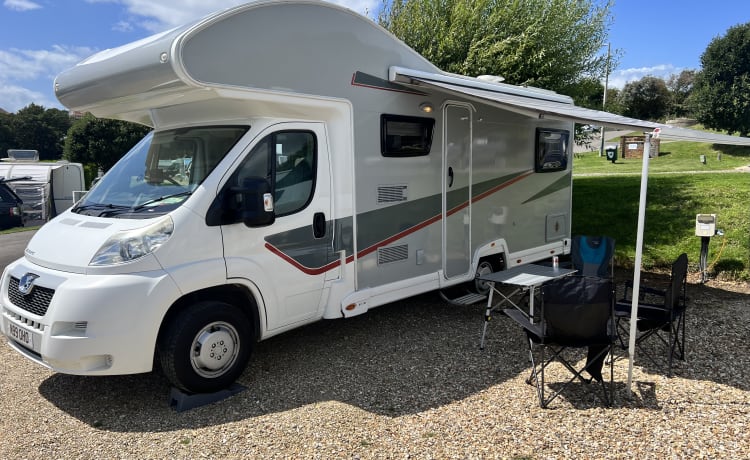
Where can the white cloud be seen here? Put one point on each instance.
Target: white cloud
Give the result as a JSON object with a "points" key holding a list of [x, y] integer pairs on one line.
{"points": [[619, 78], [21, 5], [23, 67], [16, 97], [122, 26]]}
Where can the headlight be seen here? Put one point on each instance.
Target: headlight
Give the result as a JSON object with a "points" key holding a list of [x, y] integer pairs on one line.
{"points": [[128, 246]]}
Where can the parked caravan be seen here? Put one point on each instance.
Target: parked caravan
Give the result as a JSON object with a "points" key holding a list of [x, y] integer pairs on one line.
{"points": [[46, 188], [305, 164]]}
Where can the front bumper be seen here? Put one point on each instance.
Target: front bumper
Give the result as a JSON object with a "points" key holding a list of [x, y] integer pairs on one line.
{"points": [[85, 324]]}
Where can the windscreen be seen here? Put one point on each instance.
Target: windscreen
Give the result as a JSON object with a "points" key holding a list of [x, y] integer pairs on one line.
{"points": [[160, 172]]}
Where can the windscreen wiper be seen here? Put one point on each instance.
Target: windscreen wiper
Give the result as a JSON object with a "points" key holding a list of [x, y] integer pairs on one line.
{"points": [[104, 207], [161, 198]]}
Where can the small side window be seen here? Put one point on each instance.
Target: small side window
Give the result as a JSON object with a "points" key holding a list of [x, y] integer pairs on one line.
{"points": [[551, 153], [402, 136]]}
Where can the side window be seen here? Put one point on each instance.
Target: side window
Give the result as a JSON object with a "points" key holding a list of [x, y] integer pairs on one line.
{"points": [[551, 153], [402, 136], [288, 160]]}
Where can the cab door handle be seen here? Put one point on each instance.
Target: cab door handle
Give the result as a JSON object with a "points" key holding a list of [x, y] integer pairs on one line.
{"points": [[319, 225]]}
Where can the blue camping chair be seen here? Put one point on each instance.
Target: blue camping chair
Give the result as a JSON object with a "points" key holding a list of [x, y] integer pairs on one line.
{"points": [[593, 255]]}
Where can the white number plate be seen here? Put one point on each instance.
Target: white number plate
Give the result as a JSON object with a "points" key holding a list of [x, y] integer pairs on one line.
{"points": [[19, 334]]}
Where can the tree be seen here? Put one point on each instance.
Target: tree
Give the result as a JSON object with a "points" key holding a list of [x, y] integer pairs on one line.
{"points": [[647, 98], [6, 133], [41, 129], [721, 94], [551, 44], [587, 92], [680, 86], [101, 141]]}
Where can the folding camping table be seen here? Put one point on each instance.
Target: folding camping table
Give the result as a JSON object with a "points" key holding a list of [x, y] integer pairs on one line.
{"points": [[524, 279]]}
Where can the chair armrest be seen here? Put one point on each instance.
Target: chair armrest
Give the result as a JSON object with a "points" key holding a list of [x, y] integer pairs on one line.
{"points": [[522, 320], [643, 291], [645, 310]]}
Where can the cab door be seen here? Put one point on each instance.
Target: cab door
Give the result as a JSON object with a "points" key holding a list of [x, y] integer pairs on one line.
{"points": [[288, 259]]}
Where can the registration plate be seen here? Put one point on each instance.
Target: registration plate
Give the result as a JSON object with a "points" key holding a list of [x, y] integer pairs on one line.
{"points": [[20, 334]]}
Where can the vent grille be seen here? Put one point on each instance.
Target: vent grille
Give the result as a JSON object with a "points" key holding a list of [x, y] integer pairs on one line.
{"points": [[37, 302], [391, 193], [22, 319], [393, 254]]}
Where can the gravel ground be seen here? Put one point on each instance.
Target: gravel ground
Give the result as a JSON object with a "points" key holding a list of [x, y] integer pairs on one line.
{"points": [[406, 380]]}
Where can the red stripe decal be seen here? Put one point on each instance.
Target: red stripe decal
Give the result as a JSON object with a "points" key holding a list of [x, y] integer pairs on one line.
{"points": [[397, 236]]}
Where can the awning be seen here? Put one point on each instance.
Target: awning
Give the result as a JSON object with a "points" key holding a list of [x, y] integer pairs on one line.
{"points": [[546, 104]]}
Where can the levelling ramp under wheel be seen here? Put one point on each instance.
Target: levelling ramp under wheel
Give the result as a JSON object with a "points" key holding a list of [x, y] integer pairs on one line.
{"points": [[462, 297]]}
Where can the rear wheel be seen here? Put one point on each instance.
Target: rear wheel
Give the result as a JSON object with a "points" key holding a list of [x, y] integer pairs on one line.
{"points": [[485, 267], [206, 347]]}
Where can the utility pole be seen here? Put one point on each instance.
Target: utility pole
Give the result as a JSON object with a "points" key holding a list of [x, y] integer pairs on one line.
{"points": [[604, 99]]}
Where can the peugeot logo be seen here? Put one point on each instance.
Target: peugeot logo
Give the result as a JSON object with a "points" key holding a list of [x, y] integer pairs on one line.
{"points": [[26, 285]]}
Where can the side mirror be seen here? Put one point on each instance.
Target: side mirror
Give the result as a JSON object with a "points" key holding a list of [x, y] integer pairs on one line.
{"points": [[255, 202]]}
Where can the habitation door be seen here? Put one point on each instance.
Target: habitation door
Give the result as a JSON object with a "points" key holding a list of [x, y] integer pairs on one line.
{"points": [[457, 191]]}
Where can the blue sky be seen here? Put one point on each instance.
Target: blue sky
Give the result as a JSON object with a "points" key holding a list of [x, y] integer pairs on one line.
{"points": [[40, 38]]}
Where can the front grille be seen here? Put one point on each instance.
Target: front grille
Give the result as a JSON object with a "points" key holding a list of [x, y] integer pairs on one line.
{"points": [[36, 302]]}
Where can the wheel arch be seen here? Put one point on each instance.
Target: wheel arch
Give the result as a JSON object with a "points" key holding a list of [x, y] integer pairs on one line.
{"points": [[494, 252], [234, 294]]}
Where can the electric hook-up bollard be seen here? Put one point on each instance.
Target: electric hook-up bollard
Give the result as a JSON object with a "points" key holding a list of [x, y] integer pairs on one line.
{"points": [[705, 227]]}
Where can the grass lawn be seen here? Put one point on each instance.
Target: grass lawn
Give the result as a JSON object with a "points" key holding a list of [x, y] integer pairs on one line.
{"points": [[605, 201], [17, 229]]}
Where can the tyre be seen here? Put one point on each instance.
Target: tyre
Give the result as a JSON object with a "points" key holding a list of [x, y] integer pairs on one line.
{"points": [[205, 347], [481, 287]]}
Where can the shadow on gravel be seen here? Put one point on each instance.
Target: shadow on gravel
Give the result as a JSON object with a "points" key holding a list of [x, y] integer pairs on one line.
{"points": [[398, 359]]}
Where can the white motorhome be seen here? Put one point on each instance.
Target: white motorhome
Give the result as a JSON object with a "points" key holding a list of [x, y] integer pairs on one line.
{"points": [[46, 188], [305, 164]]}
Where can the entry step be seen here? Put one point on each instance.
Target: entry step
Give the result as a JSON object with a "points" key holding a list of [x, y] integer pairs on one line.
{"points": [[463, 300]]}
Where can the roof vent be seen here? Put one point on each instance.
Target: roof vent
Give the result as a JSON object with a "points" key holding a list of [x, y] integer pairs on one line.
{"points": [[23, 155]]}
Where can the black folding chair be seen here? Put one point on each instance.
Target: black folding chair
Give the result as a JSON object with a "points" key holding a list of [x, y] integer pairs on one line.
{"points": [[576, 312], [661, 317]]}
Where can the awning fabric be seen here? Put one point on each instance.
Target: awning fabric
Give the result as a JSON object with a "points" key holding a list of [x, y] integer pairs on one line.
{"points": [[542, 104]]}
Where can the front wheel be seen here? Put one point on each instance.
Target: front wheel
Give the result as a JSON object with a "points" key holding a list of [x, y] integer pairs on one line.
{"points": [[206, 347]]}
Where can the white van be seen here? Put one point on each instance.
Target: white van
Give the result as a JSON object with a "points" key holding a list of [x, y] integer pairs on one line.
{"points": [[305, 164]]}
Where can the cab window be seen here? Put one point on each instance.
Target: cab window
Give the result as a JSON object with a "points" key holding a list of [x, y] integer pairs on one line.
{"points": [[288, 160]]}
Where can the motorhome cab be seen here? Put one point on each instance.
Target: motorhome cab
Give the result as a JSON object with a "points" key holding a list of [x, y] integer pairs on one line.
{"points": [[304, 164]]}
